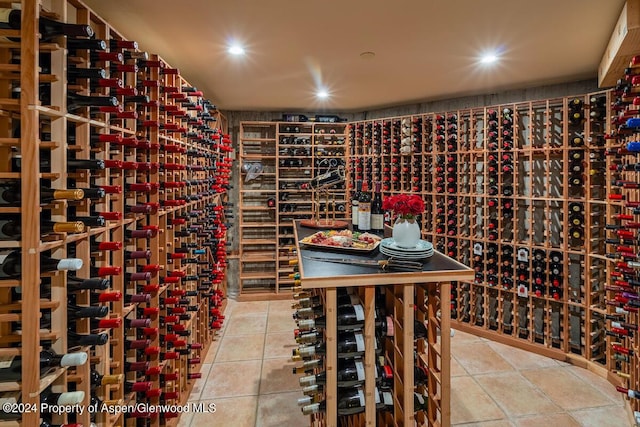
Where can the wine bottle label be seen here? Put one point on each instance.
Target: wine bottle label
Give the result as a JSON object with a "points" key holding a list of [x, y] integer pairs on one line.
{"points": [[5, 361], [359, 342], [377, 394], [360, 370], [377, 221], [71, 264], [387, 398], [70, 398], [74, 359], [364, 216], [359, 312], [361, 397], [354, 213]]}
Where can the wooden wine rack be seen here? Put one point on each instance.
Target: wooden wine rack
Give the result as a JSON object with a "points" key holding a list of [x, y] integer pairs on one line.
{"points": [[275, 159], [406, 297], [154, 149], [567, 323]]}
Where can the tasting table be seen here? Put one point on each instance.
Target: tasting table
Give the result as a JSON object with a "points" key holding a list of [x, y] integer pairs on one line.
{"points": [[420, 295]]}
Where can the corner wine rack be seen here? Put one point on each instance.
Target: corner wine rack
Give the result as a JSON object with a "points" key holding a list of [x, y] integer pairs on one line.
{"points": [[519, 193], [277, 160], [162, 194]]}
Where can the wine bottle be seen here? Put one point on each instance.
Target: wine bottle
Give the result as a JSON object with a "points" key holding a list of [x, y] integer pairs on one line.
{"points": [[11, 264], [355, 200], [377, 213], [351, 401], [75, 101], [349, 317], [364, 208], [10, 194], [99, 380], [11, 368], [47, 399], [77, 339], [48, 28], [11, 229]]}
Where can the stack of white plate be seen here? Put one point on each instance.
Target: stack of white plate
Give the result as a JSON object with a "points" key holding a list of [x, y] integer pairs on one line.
{"points": [[422, 250]]}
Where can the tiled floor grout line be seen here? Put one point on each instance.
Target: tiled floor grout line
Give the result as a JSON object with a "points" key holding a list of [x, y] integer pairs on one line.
{"points": [[264, 348]]}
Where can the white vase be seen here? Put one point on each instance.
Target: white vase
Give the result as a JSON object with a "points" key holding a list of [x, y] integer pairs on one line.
{"points": [[406, 233]]}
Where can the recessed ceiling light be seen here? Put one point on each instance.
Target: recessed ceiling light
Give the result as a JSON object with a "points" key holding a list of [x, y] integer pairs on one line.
{"points": [[236, 50], [322, 94], [489, 58]]}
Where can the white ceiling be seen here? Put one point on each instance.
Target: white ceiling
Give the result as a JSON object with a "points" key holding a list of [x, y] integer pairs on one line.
{"points": [[424, 49]]}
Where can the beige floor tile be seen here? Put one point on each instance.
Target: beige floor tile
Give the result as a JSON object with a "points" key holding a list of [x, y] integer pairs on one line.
{"points": [[280, 409], [251, 307], [231, 412], [476, 357], [200, 382], [608, 416], [280, 306], [246, 324], [225, 380], [469, 403], [599, 383], [277, 376], [281, 322], [521, 359], [459, 337], [550, 420], [515, 395], [498, 423], [565, 389], [213, 349], [279, 345], [456, 368], [185, 419], [240, 347]]}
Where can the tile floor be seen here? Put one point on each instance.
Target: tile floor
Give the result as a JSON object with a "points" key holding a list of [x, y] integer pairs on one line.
{"points": [[247, 374]]}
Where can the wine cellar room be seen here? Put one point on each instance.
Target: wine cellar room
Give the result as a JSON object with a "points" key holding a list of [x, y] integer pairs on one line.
{"points": [[256, 214]]}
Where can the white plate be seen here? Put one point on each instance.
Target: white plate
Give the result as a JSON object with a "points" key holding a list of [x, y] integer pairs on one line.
{"points": [[422, 246], [397, 255]]}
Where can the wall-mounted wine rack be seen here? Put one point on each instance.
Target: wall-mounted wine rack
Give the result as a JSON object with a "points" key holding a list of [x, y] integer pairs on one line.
{"points": [[519, 193], [277, 160], [150, 173]]}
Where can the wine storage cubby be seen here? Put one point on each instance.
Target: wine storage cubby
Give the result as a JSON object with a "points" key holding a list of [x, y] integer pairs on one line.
{"points": [[278, 160], [522, 194], [113, 177], [374, 347]]}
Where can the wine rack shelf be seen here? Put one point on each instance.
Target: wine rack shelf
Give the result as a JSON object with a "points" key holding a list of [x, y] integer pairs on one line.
{"points": [[144, 216], [519, 192], [278, 159], [416, 307]]}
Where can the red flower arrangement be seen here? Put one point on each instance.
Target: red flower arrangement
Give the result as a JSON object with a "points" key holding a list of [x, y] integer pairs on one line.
{"points": [[406, 206]]}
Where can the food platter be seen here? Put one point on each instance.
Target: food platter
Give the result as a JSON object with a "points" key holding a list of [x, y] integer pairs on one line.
{"points": [[342, 241]]}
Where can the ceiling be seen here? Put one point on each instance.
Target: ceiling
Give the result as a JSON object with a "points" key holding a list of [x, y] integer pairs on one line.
{"points": [[424, 49]]}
